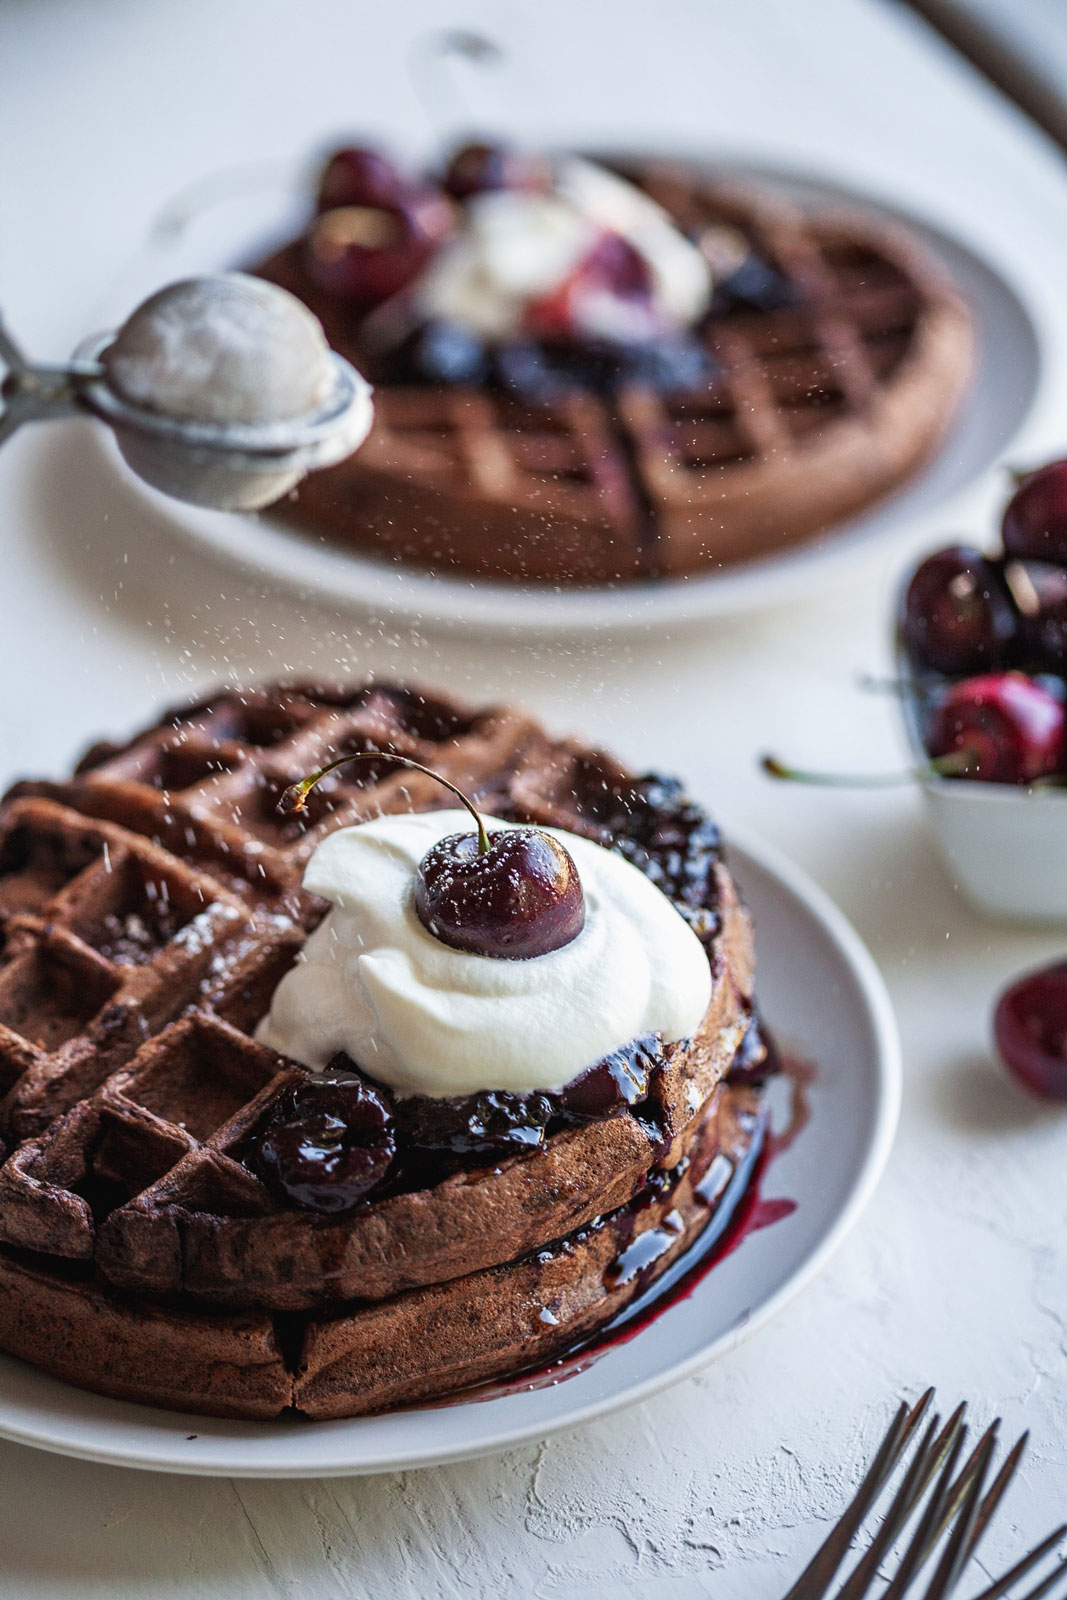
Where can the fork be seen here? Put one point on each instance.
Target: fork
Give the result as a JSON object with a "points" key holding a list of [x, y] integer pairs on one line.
{"points": [[958, 1509]]}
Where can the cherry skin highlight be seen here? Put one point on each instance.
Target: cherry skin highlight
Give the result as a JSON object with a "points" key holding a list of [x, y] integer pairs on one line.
{"points": [[1030, 1028], [520, 898]]}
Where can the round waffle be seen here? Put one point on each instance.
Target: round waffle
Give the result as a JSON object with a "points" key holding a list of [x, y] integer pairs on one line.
{"points": [[149, 906], [822, 405]]}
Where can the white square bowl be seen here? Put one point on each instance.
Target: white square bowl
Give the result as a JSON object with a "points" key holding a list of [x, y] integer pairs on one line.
{"points": [[1005, 846]]}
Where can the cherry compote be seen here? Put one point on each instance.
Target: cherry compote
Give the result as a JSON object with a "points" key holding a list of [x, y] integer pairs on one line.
{"points": [[757, 1057], [620, 1079], [327, 1143], [490, 1124], [654, 824]]}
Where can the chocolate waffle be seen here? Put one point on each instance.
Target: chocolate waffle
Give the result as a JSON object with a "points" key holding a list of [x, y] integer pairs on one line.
{"points": [[149, 906], [825, 400]]}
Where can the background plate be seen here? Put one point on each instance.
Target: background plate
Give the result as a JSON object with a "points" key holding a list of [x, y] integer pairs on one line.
{"points": [[1006, 384], [807, 952]]}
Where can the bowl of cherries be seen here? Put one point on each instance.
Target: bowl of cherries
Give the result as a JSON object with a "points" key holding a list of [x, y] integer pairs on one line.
{"points": [[983, 646]]}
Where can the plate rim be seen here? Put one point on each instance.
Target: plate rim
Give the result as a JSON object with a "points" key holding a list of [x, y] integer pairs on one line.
{"points": [[264, 549], [870, 987]]}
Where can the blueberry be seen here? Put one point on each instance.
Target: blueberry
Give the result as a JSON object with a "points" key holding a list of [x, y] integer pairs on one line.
{"points": [[674, 365], [525, 369], [441, 353], [755, 285]]}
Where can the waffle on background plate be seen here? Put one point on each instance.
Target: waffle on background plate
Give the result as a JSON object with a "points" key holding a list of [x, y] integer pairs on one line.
{"points": [[823, 405], [149, 906]]}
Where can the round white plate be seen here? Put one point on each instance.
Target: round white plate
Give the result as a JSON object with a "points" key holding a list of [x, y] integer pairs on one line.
{"points": [[807, 952], [1005, 387]]}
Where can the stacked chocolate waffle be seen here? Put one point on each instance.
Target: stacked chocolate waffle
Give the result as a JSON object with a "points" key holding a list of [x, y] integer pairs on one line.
{"points": [[150, 905], [832, 381]]}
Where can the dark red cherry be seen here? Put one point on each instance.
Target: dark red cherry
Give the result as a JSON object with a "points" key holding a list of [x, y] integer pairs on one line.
{"points": [[356, 176], [520, 898], [1030, 1028], [1035, 522], [620, 1079], [483, 168], [958, 615], [327, 1143], [512, 894], [1039, 589], [365, 254], [1010, 728]]}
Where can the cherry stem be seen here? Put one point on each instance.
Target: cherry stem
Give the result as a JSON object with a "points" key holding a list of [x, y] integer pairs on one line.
{"points": [[295, 797], [871, 683], [954, 764]]}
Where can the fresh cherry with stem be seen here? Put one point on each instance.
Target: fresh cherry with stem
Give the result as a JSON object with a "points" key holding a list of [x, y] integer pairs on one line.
{"points": [[1001, 727], [513, 894]]}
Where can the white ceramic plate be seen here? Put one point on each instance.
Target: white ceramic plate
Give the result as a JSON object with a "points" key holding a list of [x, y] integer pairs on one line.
{"points": [[1005, 388], [807, 952]]}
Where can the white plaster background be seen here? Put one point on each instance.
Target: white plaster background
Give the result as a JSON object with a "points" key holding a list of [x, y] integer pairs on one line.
{"points": [[957, 1274]]}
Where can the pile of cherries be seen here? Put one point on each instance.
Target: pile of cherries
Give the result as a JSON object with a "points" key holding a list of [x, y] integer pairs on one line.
{"points": [[377, 228], [987, 638]]}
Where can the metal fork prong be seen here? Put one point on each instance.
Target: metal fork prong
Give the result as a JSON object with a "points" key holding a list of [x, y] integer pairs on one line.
{"points": [[961, 1545], [958, 1490], [957, 1493], [921, 1544], [1048, 1584], [1021, 1568], [996, 1492], [925, 1463], [817, 1576]]}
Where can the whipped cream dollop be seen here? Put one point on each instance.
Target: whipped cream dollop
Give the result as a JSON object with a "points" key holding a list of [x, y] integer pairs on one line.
{"points": [[425, 1018], [516, 248]]}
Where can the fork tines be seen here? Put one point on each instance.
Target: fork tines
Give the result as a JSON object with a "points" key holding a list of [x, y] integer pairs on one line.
{"points": [[958, 1510]]}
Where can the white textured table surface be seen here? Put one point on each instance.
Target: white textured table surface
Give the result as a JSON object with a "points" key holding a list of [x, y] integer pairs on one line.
{"points": [[958, 1272]]}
